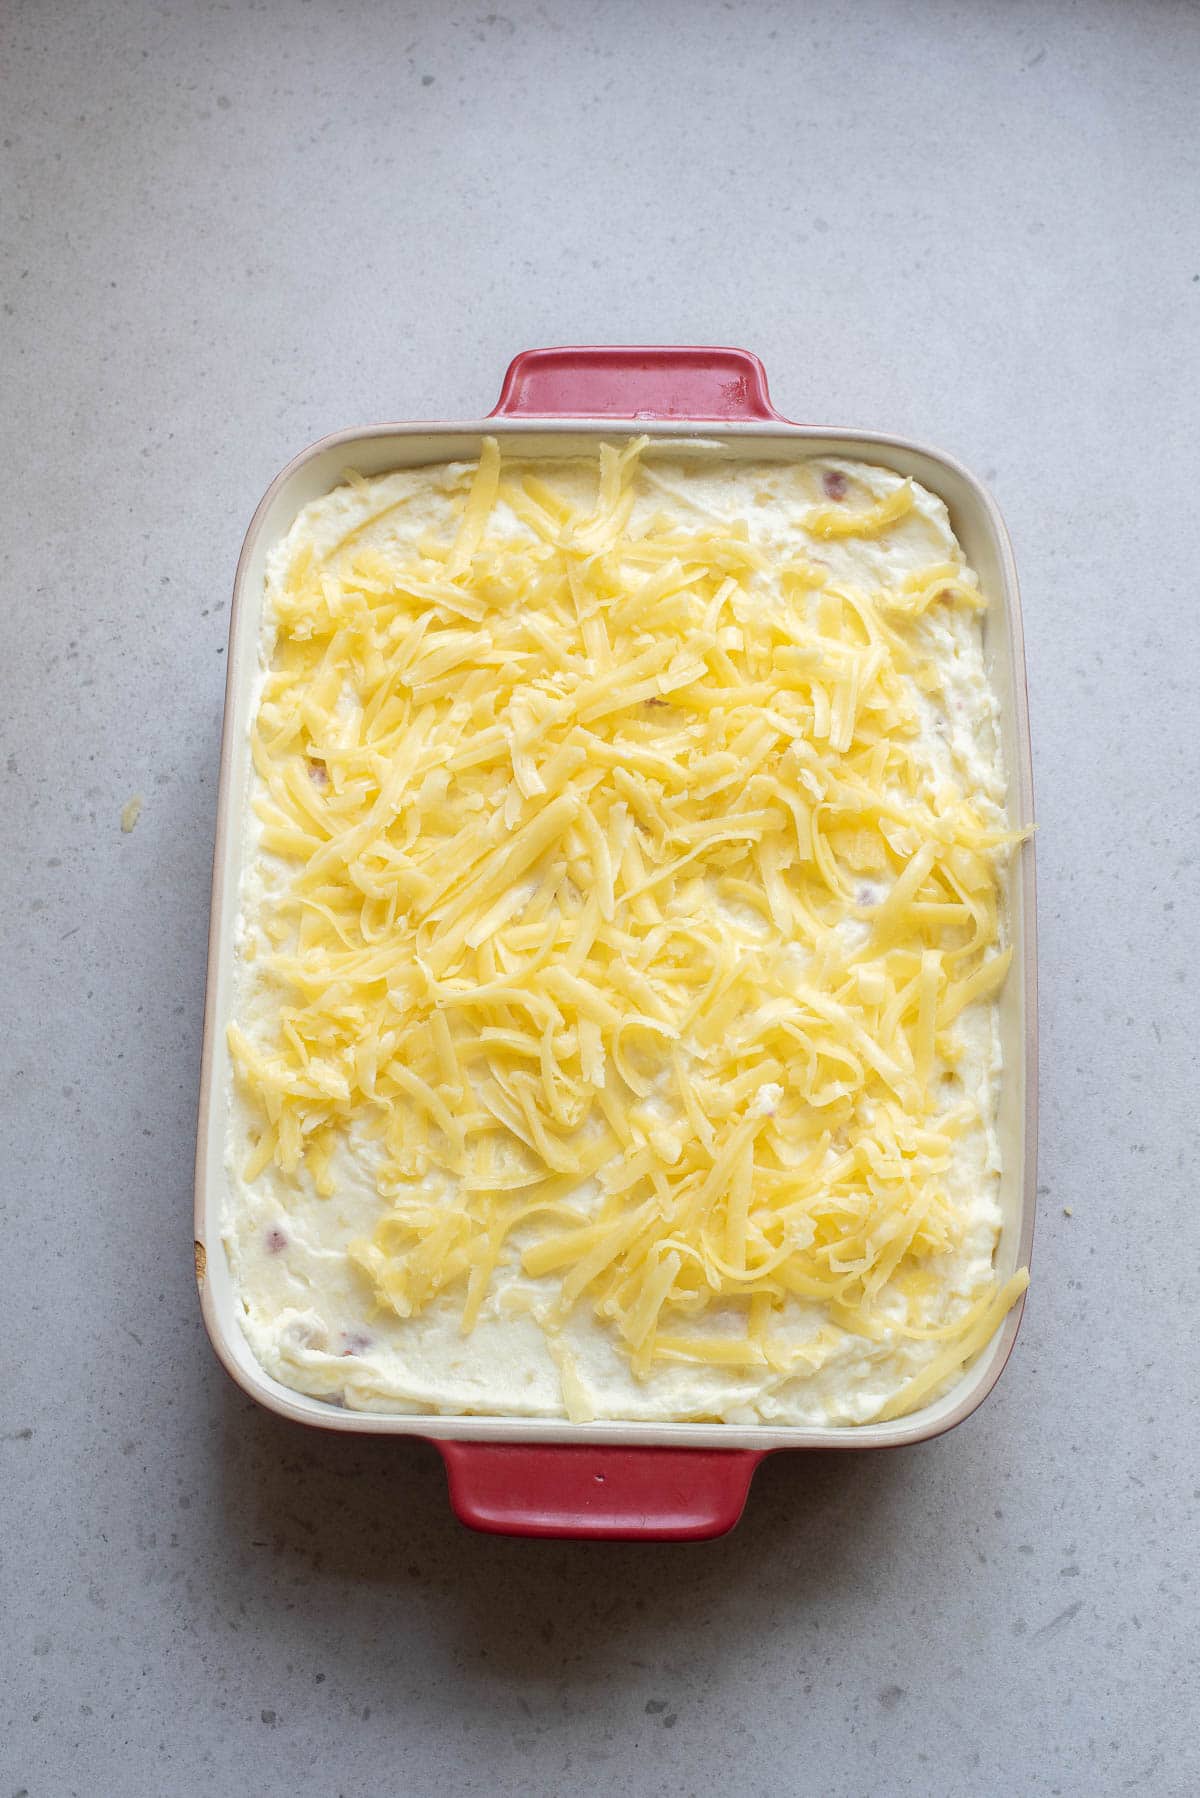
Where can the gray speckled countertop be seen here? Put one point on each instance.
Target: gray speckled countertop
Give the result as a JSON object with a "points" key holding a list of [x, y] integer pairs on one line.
{"points": [[227, 229]]}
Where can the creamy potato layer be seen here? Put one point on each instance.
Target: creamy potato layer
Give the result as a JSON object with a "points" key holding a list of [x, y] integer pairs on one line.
{"points": [[615, 1028]]}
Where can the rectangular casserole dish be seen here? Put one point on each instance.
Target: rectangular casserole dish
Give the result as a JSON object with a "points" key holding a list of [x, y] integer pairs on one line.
{"points": [[548, 1476]]}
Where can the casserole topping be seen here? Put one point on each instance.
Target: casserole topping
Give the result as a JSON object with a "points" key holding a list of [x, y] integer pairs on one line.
{"points": [[621, 941]]}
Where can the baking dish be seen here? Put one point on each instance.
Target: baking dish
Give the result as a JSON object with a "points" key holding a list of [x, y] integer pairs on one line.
{"points": [[548, 1477]]}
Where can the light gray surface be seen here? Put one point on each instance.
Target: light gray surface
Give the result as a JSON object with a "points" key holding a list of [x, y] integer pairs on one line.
{"points": [[229, 229]]}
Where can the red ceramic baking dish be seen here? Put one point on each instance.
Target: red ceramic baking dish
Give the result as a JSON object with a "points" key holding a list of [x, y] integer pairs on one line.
{"points": [[548, 1477]]}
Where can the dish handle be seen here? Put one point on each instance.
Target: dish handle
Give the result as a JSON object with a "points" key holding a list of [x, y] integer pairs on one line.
{"points": [[636, 381], [586, 1490]]}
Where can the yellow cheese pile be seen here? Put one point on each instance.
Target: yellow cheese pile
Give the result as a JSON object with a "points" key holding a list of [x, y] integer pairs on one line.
{"points": [[575, 823]]}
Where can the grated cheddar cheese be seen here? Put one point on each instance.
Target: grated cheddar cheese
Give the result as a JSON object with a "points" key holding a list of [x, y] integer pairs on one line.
{"points": [[628, 908]]}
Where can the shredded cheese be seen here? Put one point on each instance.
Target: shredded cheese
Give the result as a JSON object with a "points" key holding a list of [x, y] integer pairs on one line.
{"points": [[841, 521], [576, 818]]}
